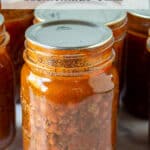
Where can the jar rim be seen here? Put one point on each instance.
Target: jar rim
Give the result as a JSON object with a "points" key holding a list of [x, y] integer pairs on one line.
{"points": [[143, 14], [72, 71]]}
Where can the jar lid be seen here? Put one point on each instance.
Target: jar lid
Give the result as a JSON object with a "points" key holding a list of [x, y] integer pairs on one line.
{"points": [[145, 14], [107, 17], [68, 35]]}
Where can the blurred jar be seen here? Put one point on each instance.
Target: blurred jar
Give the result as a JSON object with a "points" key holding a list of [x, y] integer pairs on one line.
{"points": [[7, 96], [135, 92], [115, 19], [69, 87], [148, 59], [17, 21]]}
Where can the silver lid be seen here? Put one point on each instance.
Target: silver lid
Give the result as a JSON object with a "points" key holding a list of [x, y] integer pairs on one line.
{"points": [[1, 19], [141, 13], [68, 35], [107, 17]]}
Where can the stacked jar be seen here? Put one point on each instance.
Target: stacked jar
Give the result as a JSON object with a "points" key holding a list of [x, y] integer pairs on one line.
{"points": [[115, 19], [135, 92], [7, 95], [69, 87], [16, 22]]}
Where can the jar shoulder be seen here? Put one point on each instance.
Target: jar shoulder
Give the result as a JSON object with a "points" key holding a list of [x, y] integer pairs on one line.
{"points": [[95, 82]]}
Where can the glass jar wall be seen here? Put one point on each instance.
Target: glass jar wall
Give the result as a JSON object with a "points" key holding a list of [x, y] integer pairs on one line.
{"points": [[7, 95], [69, 87], [135, 92], [17, 21]]}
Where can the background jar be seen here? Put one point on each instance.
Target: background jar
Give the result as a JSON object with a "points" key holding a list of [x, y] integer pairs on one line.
{"points": [[16, 22], [135, 92], [69, 87], [7, 99], [148, 80], [115, 19]]}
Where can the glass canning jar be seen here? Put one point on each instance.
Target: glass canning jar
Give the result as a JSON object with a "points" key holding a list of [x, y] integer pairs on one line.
{"points": [[16, 22], [7, 99], [115, 19], [135, 92], [148, 59], [69, 87]]}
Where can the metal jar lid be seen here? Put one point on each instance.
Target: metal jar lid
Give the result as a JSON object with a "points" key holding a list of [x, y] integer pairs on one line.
{"points": [[107, 17], [144, 14], [68, 35]]}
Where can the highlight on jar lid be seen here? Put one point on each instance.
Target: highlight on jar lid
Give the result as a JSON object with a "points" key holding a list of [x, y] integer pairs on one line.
{"points": [[140, 13], [107, 17], [1, 23], [68, 35], [1, 20]]}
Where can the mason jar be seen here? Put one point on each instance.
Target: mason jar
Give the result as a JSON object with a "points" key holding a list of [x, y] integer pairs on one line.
{"points": [[134, 93], [116, 20], [16, 22], [69, 87], [148, 59], [7, 99]]}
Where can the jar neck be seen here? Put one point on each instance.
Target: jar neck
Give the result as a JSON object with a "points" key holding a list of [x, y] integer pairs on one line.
{"points": [[15, 15], [68, 62], [119, 29]]}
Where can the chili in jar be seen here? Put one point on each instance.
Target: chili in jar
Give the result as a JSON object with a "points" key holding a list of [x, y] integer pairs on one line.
{"points": [[115, 19], [135, 92], [17, 21], [7, 102], [69, 87]]}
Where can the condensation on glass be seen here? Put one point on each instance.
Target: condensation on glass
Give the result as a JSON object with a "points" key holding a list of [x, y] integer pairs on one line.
{"points": [[69, 87], [135, 92], [7, 97], [115, 19]]}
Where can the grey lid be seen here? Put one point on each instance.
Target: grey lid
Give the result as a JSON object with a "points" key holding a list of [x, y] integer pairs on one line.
{"points": [[107, 17], [141, 13], [1, 19], [68, 35]]}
